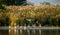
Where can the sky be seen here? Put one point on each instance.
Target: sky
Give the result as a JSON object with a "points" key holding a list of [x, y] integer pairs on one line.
{"points": [[37, 2]]}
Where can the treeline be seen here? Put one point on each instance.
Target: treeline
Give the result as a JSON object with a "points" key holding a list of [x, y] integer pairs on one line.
{"points": [[12, 2], [15, 2], [44, 15]]}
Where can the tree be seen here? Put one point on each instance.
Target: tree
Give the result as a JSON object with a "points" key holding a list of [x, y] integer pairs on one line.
{"points": [[45, 3], [15, 2], [2, 2], [29, 3], [4, 20]]}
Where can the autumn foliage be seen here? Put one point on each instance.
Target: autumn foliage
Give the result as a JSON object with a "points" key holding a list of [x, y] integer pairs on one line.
{"points": [[46, 15]]}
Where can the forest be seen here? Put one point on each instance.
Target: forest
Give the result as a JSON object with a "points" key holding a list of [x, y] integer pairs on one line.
{"points": [[15, 13]]}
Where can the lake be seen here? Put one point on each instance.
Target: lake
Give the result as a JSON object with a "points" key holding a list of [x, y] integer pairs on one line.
{"points": [[29, 32]]}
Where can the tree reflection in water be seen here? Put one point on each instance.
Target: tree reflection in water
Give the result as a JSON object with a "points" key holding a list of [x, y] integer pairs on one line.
{"points": [[29, 32], [34, 32]]}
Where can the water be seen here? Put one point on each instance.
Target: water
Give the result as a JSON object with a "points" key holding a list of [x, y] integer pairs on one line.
{"points": [[4, 32], [29, 32]]}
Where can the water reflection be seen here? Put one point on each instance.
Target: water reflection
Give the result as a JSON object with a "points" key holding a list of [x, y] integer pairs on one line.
{"points": [[50, 32], [4, 32], [34, 32], [13, 32], [29, 32]]}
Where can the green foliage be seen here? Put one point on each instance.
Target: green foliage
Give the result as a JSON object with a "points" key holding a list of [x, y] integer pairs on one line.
{"points": [[1, 3], [4, 20], [15, 2], [18, 21]]}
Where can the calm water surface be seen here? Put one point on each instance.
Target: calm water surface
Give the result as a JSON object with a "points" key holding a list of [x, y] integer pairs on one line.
{"points": [[29, 32]]}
